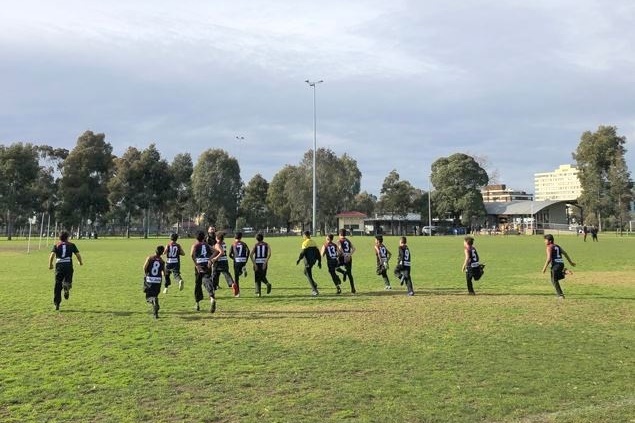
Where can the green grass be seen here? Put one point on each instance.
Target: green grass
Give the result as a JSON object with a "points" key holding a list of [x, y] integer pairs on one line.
{"points": [[512, 353]]}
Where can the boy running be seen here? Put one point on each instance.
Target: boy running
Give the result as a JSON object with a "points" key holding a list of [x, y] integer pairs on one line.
{"points": [[332, 254], [153, 270], [310, 254], [346, 252], [260, 258], [239, 252], [62, 253], [383, 256], [221, 264], [201, 253], [173, 253], [402, 271], [555, 255]]}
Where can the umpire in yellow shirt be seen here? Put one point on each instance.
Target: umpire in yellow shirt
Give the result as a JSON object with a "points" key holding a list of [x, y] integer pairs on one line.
{"points": [[310, 254]]}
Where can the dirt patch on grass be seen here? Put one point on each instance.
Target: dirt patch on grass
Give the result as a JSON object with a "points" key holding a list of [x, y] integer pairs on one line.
{"points": [[13, 248], [620, 279]]}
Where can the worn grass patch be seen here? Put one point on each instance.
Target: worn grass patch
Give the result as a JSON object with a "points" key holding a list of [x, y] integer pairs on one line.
{"points": [[512, 353]]}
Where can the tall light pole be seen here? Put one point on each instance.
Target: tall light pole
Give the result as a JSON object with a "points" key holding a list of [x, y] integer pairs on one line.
{"points": [[430, 203], [313, 84], [239, 139]]}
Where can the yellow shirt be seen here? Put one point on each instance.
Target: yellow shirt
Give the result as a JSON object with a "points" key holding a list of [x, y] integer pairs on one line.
{"points": [[308, 243]]}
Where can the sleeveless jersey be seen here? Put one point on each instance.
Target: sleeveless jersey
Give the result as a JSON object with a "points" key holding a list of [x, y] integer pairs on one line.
{"points": [[556, 254], [382, 254], [240, 252], [172, 252], [64, 252], [330, 250], [346, 246], [404, 256], [261, 251], [473, 255], [222, 256], [202, 252], [154, 269]]}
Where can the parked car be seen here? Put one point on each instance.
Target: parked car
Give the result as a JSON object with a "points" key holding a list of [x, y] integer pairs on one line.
{"points": [[429, 230]]}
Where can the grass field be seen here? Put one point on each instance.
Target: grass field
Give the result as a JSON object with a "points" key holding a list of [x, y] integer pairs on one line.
{"points": [[512, 353]]}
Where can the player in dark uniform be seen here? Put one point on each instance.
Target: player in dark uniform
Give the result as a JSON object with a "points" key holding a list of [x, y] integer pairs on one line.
{"points": [[153, 270], [332, 254], [201, 253], [471, 266], [173, 253], [211, 241], [211, 236], [555, 255], [383, 256], [62, 253], [220, 264], [346, 256], [239, 252], [310, 254], [260, 257], [402, 270]]}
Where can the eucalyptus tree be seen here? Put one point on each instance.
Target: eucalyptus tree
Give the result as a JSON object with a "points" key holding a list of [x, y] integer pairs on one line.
{"points": [[51, 162], [604, 176], [364, 202], [278, 199], [253, 205], [457, 182], [19, 173], [298, 191], [180, 203], [84, 182], [156, 186], [338, 182], [125, 187], [216, 187], [397, 197]]}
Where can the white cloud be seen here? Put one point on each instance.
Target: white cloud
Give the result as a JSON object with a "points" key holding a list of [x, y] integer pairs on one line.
{"points": [[517, 81]]}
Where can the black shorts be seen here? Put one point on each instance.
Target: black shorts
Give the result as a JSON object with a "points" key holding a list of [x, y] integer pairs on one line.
{"points": [[64, 274], [557, 270], [475, 272], [151, 289], [173, 268]]}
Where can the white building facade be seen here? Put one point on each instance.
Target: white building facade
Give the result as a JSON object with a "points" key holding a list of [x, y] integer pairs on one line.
{"points": [[560, 185], [500, 194]]}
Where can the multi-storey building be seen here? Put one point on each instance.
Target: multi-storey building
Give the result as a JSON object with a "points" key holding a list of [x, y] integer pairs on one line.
{"points": [[561, 184], [501, 194]]}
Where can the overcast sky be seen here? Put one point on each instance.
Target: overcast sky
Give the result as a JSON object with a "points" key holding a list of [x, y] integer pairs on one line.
{"points": [[405, 82]]}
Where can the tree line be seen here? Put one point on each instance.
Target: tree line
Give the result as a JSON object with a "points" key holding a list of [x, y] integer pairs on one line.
{"points": [[90, 189]]}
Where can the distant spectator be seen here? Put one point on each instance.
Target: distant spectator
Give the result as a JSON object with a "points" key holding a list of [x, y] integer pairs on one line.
{"points": [[594, 233]]}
